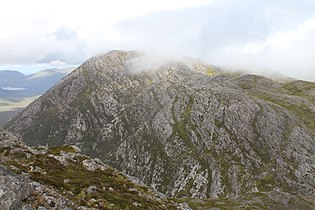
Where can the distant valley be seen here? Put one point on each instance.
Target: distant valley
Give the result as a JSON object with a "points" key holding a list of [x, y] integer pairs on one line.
{"points": [[18, 90]]}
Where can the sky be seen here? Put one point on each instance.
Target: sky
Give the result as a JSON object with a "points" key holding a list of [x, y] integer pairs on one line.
{"points": [[252, 35]]}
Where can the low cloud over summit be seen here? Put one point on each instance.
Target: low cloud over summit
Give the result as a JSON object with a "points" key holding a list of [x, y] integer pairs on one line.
{"points": [[257, 36]]}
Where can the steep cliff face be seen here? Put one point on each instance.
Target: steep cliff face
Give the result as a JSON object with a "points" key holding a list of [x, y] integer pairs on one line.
{"points": [[183, 129]]}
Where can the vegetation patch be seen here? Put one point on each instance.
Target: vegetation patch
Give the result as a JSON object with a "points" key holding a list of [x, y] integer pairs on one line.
{"points": [[267, 183], [57, 150], [101, 189]]}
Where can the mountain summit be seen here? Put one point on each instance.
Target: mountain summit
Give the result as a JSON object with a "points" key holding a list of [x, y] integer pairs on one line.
{"points": [[184, 128]]}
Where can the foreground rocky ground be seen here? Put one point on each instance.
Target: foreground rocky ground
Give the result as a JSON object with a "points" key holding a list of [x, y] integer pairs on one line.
{"points": [[63, 178]]}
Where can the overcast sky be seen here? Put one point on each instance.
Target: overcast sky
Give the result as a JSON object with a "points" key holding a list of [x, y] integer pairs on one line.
{"points": [[260, 36]]}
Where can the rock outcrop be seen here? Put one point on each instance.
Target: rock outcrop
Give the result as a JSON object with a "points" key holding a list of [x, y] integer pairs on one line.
{"points": [[13, 190], [183, 129], [64, 179]]}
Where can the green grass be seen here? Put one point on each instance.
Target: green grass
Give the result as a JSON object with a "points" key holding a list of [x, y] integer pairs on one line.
{"points": [[201, 204], [57, 150], [4, 149], [306, 115], [79, 179], [267, 183]]}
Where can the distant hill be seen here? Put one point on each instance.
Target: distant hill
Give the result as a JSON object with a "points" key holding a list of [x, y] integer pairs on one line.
{"points": [[19, 85], [18, 90], [6, 76]]}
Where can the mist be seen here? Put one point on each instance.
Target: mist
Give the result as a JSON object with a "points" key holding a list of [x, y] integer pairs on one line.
{"points": [[261, 37]]}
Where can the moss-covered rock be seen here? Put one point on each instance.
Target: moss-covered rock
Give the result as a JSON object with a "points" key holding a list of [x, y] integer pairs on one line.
{"points": [[68, 174]]}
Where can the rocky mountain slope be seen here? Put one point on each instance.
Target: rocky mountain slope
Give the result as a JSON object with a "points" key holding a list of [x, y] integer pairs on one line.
{"points": [[184, 129], [62, 178], [5, 116]]}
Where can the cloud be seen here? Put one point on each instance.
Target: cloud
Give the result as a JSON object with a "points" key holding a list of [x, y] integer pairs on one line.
{"points": [[71, 31], [151, 62], [288, 51], [64, 33], [257, 36]]}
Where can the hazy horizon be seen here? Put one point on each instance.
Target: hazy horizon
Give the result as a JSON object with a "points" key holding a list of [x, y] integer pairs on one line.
{"points": [[256, 36]]}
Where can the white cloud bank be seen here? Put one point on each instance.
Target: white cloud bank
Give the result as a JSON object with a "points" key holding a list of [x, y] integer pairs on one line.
{"points": [[240, 34]]}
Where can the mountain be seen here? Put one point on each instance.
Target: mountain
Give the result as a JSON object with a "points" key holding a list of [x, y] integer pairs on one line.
{"points": [[63, 178], [18, 90], [6, 76], [19, 85], [185, 129]]}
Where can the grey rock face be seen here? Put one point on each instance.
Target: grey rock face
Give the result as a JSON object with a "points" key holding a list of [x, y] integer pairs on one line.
{"points": [[18, 191], [179, 130], [13, 190]]}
